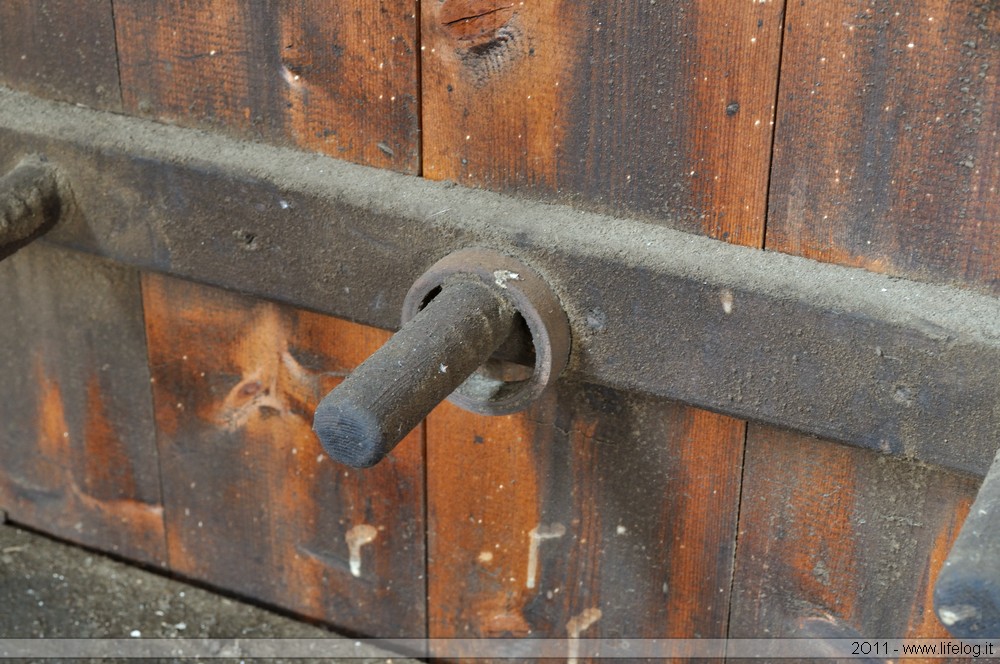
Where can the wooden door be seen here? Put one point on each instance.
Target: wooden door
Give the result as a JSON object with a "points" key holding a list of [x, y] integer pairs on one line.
{"points": [[173, 429]]}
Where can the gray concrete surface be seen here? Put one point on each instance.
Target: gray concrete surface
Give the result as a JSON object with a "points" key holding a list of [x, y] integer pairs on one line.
{"points": [[50, 590]]}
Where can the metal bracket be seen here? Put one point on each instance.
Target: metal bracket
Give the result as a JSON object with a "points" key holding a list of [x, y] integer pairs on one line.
{"points": [[905, 368]]}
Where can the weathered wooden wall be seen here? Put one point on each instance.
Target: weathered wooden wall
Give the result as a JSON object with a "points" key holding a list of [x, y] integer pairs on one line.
{"points": [[596, 513], [77, 443], [250, 501], [627, 504], [886, 156], [213, 400]]}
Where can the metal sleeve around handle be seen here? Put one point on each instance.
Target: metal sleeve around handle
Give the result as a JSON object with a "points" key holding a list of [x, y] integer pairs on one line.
{"points": [[366, 416], [967, 592]]}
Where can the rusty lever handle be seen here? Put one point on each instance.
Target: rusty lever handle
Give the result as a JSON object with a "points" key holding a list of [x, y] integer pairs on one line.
{"points": [[366, 416], [30, 202], [967, 591]]}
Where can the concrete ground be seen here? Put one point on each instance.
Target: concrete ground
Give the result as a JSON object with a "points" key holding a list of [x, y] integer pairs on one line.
{"points": [[50, 590]]}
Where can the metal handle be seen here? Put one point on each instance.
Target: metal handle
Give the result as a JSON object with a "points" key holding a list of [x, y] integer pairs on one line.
{"points": [[30, 202], [367, 415], [967, 592]]}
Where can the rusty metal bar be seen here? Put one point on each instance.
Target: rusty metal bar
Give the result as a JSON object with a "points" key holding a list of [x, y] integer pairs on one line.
{"points": [[366, 416], [30, 202], [905, 368]]}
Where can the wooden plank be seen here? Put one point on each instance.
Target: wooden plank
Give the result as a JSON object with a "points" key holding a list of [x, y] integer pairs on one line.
{"points": [[252, 503], [886, 153], [885, 157], [334, 77], [662, 111], [842, 535], [659, 109], [598, 512], [61, 49], [77, 447]]}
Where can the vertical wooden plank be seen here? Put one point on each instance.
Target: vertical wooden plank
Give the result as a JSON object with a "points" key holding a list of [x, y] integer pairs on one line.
{"points": [[60, 49], [334, 77], [655, 109], [77, 447], [885, 157], [887, 153], [843, 535], [600, 513], [659, 110], [252, 503]]}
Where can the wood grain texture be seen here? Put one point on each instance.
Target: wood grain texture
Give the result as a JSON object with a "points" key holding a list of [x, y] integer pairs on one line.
{"points": [[885, 157], [77, 447], [841, 534], [887, 153], [334, 77], [662, 110], [60, 49], [252, 503], [596, 514]]}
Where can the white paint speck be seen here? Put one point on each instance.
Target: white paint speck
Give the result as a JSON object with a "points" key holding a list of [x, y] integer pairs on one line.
{"points": [[950, 615], [621, 530], [357, 537], [501, 277], [135, 634], [576, 626], [726, 297], [537, 535]]}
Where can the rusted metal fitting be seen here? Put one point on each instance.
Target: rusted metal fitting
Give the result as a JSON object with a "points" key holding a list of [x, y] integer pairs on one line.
{"points": [[30, 202], [455, 318], [498, 388], [967, 590]]}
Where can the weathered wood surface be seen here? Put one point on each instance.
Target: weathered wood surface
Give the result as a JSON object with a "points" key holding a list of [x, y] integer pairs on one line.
{"points": [[596, 514], [77, 442], [60, 49], [657, 110], [334, 77], [887, 154], [252, 505], [885, 157], [841, 534], [252, 502]]}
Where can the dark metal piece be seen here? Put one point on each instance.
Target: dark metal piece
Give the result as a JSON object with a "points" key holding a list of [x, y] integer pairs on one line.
{"points": [[29, 203], [382, 400], [548, 329], [897, 366], [967, 591]]}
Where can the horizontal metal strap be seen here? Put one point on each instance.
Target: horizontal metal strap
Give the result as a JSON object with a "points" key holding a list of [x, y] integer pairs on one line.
{"points": [[898, 366]]}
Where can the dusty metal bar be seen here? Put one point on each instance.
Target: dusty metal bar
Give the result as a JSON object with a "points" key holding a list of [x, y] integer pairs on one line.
{"points": [[902, 367], [967, 590], [29, 202], [366, 416]]}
